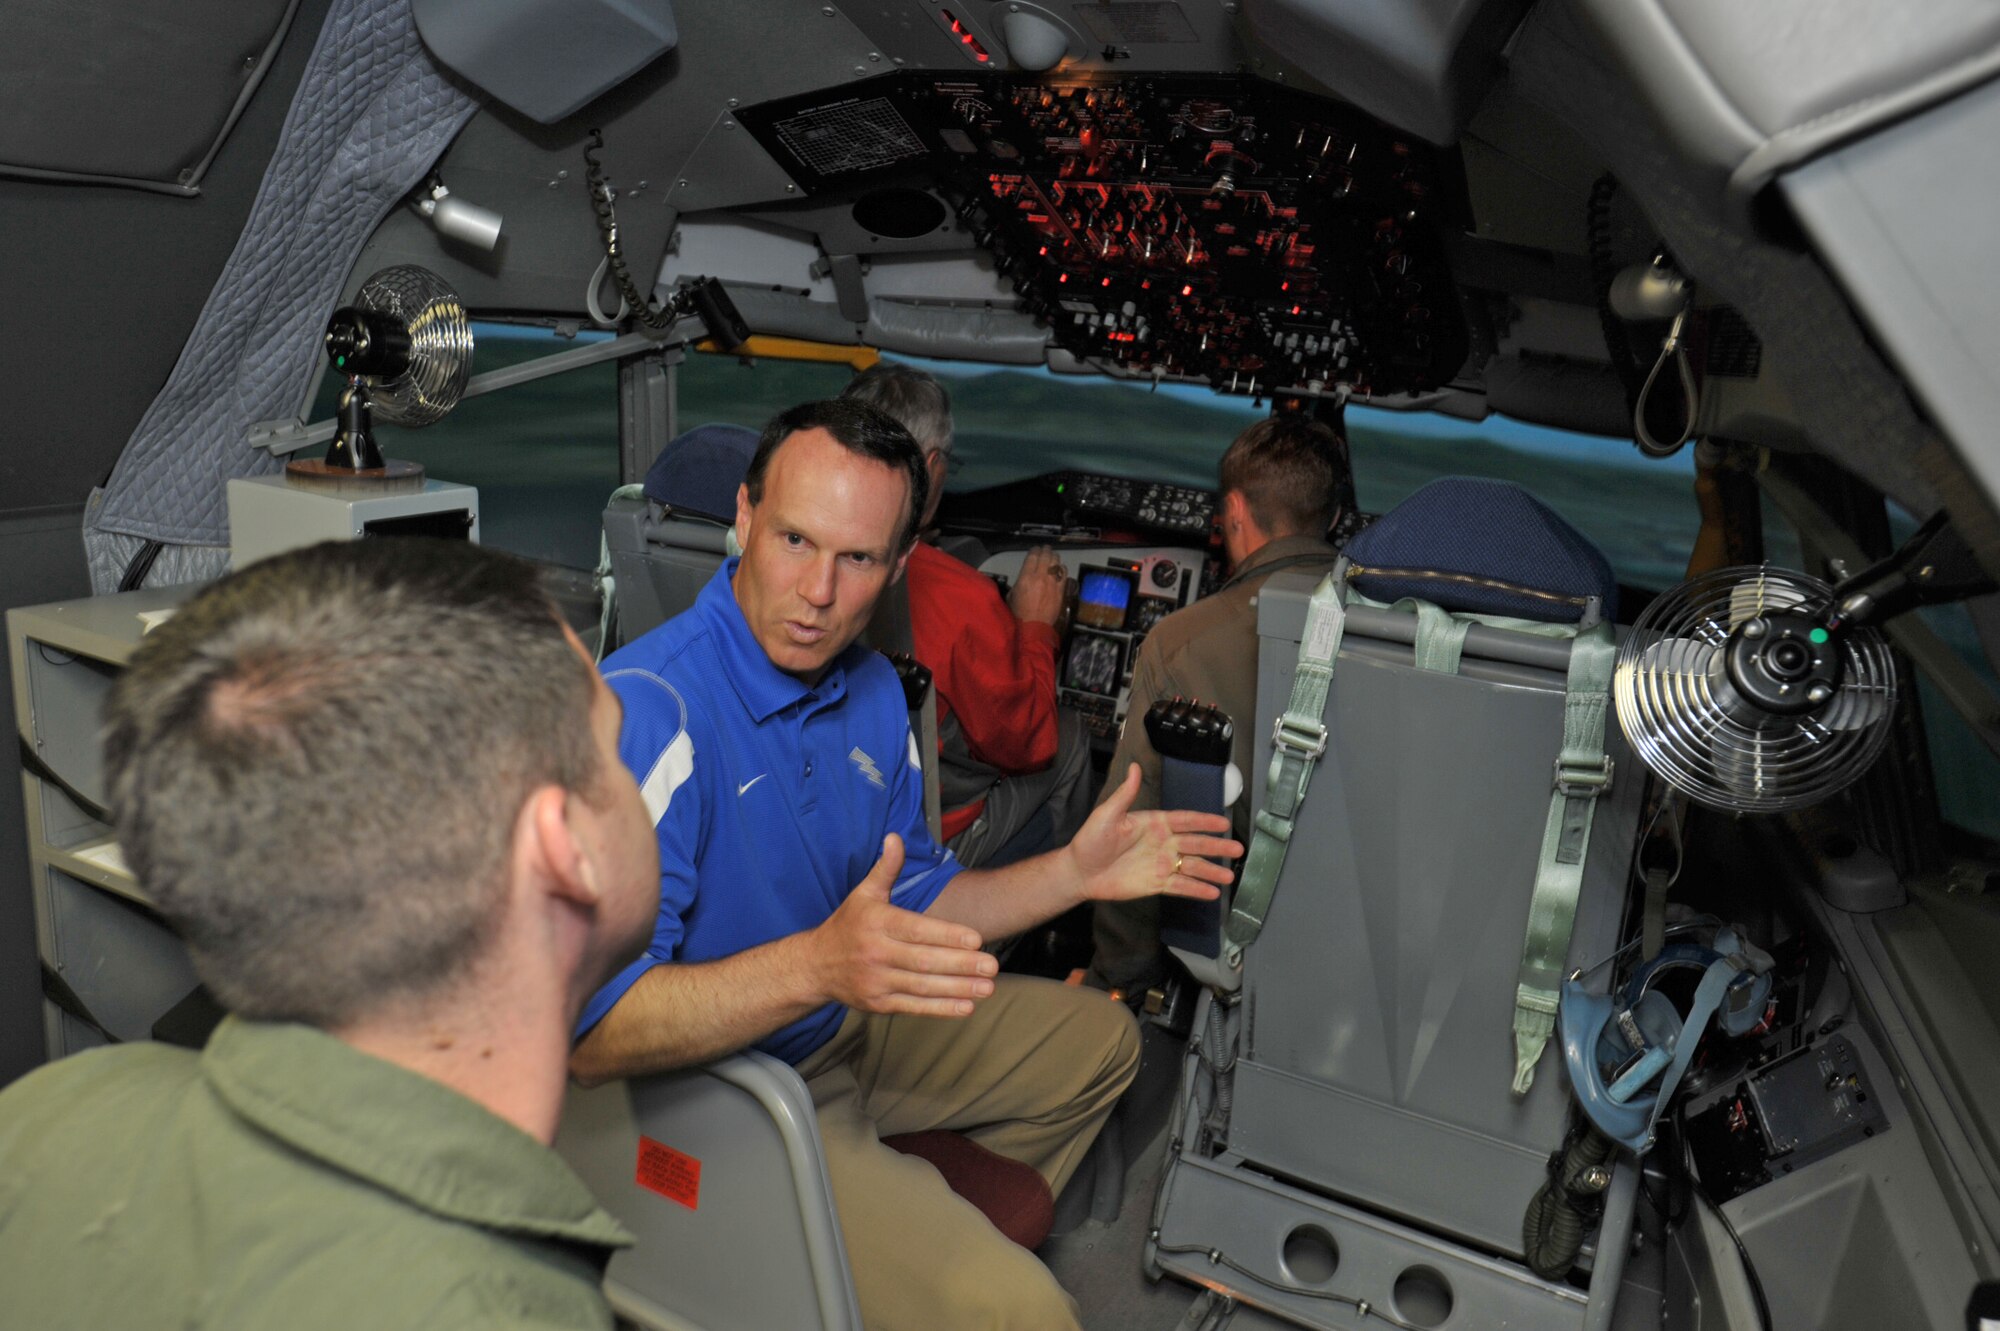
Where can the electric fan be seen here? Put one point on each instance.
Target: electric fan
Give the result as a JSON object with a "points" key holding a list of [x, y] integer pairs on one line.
{"points": [[1750, 690], [405, 346], [1746, 692]]}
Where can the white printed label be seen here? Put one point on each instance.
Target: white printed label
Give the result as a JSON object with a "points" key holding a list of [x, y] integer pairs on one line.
{"points": [[1323, 631]]}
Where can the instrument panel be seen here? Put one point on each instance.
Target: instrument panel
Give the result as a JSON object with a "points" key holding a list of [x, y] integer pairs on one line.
{"points": [[1178, 509], [1123, 591], [1212, 229]]}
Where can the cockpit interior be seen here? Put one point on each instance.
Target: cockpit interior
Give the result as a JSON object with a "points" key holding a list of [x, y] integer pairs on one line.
{"points": [[1663, 347]]}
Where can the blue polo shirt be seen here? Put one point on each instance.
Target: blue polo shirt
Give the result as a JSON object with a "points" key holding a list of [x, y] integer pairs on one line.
{"points": [[770, 798]]}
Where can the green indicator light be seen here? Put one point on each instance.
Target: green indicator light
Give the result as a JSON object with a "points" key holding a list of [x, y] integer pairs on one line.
{"points": [[339, 361], [1818, 636], [1061, 486]]}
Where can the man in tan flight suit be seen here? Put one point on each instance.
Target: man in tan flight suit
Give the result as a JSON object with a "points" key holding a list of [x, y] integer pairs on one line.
{"points": [[1280, 485]]}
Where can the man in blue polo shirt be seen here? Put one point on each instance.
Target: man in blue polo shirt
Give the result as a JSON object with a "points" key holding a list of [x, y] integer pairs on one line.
{"points": [[805, 908]]}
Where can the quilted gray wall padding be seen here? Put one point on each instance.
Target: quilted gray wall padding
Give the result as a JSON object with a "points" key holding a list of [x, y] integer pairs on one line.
{"points": [[107, 555], [371, 115]]}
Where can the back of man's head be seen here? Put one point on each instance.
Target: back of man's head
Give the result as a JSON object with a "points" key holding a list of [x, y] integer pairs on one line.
{"points": [[1289, 469], [316, 764], [864, 430], [917, 401]]}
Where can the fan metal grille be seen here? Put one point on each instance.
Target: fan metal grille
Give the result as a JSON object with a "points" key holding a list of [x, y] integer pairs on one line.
{"points": [[440, 345], [1688, 724]]}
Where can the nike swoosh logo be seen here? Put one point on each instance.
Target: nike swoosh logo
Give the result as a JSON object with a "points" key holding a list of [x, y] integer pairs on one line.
{"points": [[751, 782]]}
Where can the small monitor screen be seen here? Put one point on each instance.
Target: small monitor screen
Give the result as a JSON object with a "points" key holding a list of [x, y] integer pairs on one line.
{"points": [[1103, 595], [1094, 663], [1151, 610]]}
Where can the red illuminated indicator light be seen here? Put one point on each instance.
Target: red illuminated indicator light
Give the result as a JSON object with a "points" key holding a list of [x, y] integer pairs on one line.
{"points": [[965, 37], [1187, 290], [1062, 277], [1106, 282]]}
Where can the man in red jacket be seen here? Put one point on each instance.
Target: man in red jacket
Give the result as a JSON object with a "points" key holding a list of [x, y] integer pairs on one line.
{"points": [[1013, 769]]}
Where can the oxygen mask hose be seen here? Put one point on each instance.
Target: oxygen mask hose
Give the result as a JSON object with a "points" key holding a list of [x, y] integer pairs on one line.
{"points": [[1552, 1231]]}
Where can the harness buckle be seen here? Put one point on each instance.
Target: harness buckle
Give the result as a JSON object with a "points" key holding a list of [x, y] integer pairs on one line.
{"points": [[1584, 780], [1301, 739]]}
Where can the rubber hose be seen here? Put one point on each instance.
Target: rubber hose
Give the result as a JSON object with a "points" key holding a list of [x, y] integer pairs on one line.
{"points": [[1225, 1082], [1552, 1234], [1218, 1048], [1552, 1231]]}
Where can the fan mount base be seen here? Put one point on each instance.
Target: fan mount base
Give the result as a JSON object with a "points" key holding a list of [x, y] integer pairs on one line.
{"points": [[392, 477]]}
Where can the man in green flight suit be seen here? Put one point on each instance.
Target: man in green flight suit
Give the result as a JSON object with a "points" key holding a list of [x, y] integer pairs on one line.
{"points": [[376, 788]]}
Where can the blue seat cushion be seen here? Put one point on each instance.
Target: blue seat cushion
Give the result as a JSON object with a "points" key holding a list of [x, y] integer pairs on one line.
{"points": [[1482, 547], [699, 470]]}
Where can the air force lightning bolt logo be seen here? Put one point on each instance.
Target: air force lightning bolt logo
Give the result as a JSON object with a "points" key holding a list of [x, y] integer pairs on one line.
{"points": [[867, 766]]}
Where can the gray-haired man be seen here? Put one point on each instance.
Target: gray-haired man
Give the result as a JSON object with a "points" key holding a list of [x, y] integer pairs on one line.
{"points": [[376, 788], [1014, 769]]}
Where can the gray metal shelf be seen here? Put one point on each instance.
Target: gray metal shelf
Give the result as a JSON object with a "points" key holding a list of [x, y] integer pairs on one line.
{"points": [[93, 923]]}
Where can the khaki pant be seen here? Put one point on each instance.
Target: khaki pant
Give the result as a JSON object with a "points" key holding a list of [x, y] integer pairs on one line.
{"points": [[1031, 1075]]}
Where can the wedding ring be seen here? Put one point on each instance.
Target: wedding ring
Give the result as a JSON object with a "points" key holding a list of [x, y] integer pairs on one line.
{"points": [[1178, 861]]}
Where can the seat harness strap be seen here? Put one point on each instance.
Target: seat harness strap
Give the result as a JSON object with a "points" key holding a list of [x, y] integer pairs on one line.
{"points": [[1297, 743], [1440, 641], [1582, 774]]}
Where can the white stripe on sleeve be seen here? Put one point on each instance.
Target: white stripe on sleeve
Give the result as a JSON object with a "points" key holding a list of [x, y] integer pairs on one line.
{"points": [[913, 884], [670, 772]]}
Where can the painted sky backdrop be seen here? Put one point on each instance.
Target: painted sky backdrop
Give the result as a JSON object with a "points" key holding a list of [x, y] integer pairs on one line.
{"points": [[544, 456]]}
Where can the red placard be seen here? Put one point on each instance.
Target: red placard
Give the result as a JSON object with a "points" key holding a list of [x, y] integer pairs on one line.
{"points": [[664, 1170]]}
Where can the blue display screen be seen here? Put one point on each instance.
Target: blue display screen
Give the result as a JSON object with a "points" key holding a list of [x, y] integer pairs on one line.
{"points": [[1102, 597]]}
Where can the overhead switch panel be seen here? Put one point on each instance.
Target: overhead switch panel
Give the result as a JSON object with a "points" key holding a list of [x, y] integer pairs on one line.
{"points": [[1216, 229]]}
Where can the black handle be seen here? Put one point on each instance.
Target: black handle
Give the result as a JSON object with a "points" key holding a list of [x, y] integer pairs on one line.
{"points": [[1192, 731]]}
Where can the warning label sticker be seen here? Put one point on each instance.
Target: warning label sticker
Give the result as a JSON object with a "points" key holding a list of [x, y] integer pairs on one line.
{"points": [[675, 1176]]}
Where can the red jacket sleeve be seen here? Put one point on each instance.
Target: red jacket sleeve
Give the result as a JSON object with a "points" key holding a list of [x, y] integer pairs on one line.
{"points": [[996, 674]]}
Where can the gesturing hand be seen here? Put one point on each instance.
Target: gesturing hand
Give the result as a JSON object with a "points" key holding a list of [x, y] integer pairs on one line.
{"points": [[1121, 854], [1040, 588], [879, 957]]}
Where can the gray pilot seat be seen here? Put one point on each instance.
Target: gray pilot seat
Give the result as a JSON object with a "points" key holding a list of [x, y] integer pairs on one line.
{"points": [[1346, 1132], [667, 541], [717, 1172], [661, 560]]}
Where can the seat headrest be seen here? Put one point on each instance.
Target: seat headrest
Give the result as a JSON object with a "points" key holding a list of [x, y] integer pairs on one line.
{"points": [[1484, 547], [699, 470]]}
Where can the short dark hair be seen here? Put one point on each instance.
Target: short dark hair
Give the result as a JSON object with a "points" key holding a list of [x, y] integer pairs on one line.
{"points": [[315, 767], [862, 429], [1292, 471], [914, 398]]}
